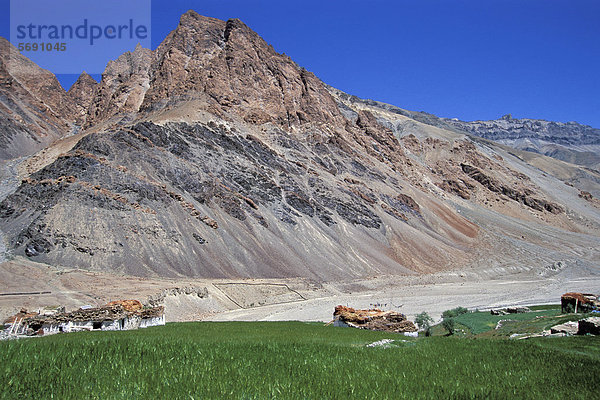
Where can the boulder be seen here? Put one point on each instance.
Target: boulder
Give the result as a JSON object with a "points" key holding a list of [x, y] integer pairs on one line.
{"points": [[510, 310]]}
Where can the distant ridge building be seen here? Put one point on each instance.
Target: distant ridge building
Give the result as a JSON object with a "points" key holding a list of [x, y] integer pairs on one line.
{"points": [[114, 316]]}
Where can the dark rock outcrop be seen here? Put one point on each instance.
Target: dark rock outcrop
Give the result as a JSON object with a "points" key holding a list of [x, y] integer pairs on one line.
{"points": [[589, 326], [520, 196]]}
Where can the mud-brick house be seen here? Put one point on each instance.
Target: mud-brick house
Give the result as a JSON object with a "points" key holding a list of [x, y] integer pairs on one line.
{"points": [[579, 302], [374, 319], [114, 316]]}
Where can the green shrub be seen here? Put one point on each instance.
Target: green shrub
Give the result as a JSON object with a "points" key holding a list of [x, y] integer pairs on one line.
{"points": [[455, 312]]}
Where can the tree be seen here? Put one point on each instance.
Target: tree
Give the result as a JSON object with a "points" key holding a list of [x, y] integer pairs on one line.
{"points": [[424, 322], [450, 325]]}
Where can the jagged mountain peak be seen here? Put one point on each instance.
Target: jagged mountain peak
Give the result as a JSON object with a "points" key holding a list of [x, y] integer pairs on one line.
{"points": [[233, 70], [122, 87], [130, 62], [191, 17], [40, 82], [81, 93], [225, 65]]}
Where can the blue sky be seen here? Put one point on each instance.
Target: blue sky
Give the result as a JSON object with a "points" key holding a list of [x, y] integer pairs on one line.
{"points": [[475, 59]]}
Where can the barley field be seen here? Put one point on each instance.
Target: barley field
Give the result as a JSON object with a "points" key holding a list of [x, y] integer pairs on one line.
{"points": [[294, 360]]}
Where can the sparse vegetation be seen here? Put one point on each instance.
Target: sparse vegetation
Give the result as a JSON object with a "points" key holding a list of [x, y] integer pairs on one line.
{"points": [[539, 319], [448, 319], [293, 360]]}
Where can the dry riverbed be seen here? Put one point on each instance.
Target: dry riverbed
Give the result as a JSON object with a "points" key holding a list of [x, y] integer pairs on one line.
{"points": [[32, 285]]}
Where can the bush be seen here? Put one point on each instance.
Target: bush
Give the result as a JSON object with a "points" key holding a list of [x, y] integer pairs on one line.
{"points": [[455, 312]]}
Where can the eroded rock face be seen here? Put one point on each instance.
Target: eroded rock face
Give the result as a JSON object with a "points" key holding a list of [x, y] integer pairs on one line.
{"points": [[223, 64], [122, 88], [520, 196], [143, 180], [34, 108], [572, 142], [233, 68], [81, 94], [507, 127]]}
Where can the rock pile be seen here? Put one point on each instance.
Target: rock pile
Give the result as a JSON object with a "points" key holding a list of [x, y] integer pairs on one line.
{"points": [[568, 328]]}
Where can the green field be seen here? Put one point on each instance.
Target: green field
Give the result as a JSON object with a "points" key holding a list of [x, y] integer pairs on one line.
{"points": [[483, 324], [290, 360]]}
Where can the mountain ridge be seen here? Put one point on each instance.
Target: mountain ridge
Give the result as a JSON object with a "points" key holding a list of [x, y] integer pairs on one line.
{"points": [[214, 156], [572, 142], [34, 108]]}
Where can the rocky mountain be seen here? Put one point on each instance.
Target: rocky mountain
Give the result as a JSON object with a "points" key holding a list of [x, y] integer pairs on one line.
{"points": [[81, 94], [214, 156], [34, 108], [122, 87], [225, 66], [570, 142]]}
